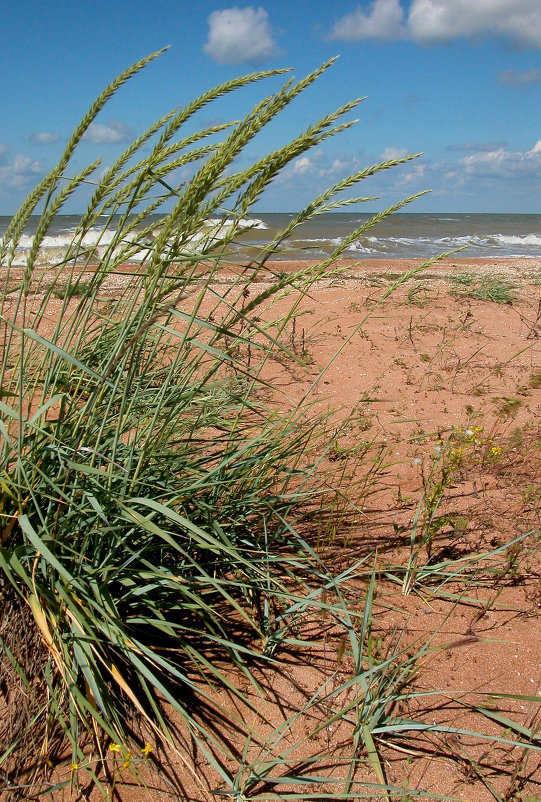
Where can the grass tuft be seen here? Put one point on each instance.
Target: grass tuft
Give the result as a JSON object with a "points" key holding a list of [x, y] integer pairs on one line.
{"points": [[151, 502], [484, 288]]}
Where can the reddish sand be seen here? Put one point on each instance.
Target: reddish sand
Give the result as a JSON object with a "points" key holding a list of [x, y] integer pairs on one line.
{"points": [[428, 371]]}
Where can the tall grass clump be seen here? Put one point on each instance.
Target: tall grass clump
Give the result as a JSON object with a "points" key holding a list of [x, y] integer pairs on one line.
{"points": [[153, 493]]}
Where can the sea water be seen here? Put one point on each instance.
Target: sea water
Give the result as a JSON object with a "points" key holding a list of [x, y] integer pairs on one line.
{"points": [[400, 236]]}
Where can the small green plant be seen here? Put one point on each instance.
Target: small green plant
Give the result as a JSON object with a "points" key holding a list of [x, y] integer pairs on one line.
{"points": [[535, 380], [356, 449], [462, 279], [513, 555], [72, 289], [464, 447], [480, 390], [508, 407], [531, 494], [484, 288], [474, 446], [306, 358], [419, 294], [362, 420], [427, 523]]}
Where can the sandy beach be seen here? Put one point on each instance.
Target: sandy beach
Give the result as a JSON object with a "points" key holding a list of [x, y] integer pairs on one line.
{"points": [[437, 396], [432, 385], [437, 375], [434, 372]]}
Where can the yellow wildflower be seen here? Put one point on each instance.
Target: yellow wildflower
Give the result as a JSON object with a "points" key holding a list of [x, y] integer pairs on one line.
{"points": [[114, 747], [146, 750]]}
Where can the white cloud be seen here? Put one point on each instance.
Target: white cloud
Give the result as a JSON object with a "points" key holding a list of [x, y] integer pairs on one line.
{"points": [[484, 177], [502, 163], [393, 154], [21, 175], [478, 147], [431, 21], [302, 165], [115, 131], [239, 35], [517, 79], [415, 173], [382, 21], [43, 138], [343, 164], [442, 20]]}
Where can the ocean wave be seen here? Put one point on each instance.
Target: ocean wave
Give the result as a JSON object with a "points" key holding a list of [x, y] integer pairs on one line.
{"points": [[244, 223], [105, 236], [94, 237], [309, 241], [525, 241], [97, 240], [408, 236], [528, 240]]}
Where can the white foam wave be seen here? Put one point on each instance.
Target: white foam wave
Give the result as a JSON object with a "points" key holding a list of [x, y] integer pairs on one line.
{"points": [[488, 240], [53, 248], [96, 236], [331, 241], [244, 223], [392, 246], [494, 240], [533, 240], [100, 240]]}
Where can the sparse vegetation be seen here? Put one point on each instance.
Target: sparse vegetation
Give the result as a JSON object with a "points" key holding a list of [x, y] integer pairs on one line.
{"points": [[535, 380], [419, 293], [508, 407], [74, 288], [485, 288]]}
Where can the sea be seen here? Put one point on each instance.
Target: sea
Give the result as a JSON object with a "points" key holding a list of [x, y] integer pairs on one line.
{"points": [[400, 236]]}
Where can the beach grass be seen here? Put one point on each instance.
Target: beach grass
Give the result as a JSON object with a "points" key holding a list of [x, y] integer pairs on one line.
{"points": [[149, 498]]}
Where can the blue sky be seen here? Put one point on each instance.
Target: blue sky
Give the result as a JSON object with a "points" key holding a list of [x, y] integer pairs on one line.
{"points": [[459, 80]]}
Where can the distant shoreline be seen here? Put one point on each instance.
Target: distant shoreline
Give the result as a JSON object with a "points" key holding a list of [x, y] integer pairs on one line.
{"points": [[413, 235], [520, 267], [522, 271]]}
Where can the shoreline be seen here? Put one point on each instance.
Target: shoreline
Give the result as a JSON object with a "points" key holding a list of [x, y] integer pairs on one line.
{"points": [[516, 266], [355, 273], [519, 268]]}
